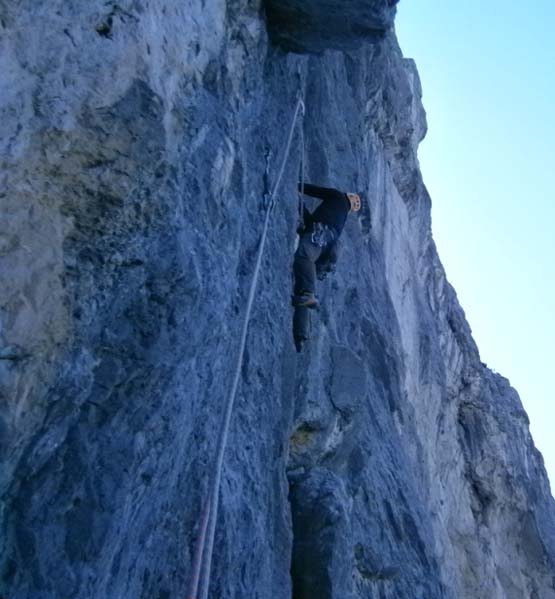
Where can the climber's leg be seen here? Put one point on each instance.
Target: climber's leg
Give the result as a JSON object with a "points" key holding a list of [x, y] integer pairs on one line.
{"points": [[305, 272], [301, 326]]}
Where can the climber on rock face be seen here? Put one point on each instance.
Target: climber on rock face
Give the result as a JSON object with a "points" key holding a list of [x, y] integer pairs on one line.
{"points": [[317, 251]]}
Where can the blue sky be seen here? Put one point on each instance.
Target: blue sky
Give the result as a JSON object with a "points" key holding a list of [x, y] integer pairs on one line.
{"points": [[488, 78]]}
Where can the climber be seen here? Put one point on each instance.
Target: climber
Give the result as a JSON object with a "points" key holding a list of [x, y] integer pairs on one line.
{"points": [[317, 251]]}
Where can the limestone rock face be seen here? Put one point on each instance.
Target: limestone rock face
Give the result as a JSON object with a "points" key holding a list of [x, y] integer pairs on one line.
{"points": [[384, 461]]}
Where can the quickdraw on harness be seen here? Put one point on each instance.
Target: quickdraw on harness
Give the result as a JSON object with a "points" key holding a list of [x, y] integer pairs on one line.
{"points": [[202, 561], [322, 235]]}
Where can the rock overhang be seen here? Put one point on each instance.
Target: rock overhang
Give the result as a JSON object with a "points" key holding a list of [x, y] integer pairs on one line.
{"points": [[313, 26]]}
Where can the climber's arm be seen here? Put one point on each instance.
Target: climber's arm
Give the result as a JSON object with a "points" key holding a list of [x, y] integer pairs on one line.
{"points": [[322, 193]]}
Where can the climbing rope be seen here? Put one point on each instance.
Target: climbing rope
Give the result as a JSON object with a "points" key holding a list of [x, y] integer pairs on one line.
{"points": [[301, 183], [202, 562]]}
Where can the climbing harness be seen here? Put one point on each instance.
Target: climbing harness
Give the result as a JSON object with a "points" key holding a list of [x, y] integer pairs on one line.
{"points": [[202, 561], [322, 235]]}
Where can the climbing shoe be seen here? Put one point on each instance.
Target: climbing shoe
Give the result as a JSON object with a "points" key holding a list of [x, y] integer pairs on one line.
{"points": [[305, 300]]}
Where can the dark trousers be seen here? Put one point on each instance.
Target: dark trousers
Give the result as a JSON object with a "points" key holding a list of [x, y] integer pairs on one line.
{"points": [[306, 256]]}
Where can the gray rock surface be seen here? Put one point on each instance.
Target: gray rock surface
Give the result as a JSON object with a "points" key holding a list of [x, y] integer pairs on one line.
{"points": [[386, 461]]}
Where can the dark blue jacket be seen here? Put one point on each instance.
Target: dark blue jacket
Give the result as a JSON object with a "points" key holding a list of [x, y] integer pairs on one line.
{"points": [[334, 208]]}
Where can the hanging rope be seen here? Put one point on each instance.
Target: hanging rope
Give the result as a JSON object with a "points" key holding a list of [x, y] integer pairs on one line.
{"points": [[202, 562], [300, 191], [301, 183]]}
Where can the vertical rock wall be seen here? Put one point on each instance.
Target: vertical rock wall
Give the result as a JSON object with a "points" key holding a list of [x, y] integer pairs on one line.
{"points": [[385, 461]]}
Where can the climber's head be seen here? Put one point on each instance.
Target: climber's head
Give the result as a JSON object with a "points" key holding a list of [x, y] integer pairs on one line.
{"points": [[354, 199]]}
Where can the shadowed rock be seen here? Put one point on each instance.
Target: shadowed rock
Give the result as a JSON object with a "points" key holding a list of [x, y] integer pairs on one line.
{"points": [[316, 25]]}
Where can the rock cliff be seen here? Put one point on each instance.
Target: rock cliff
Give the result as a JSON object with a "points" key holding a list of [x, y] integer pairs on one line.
{"points": [[385, 461]]}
